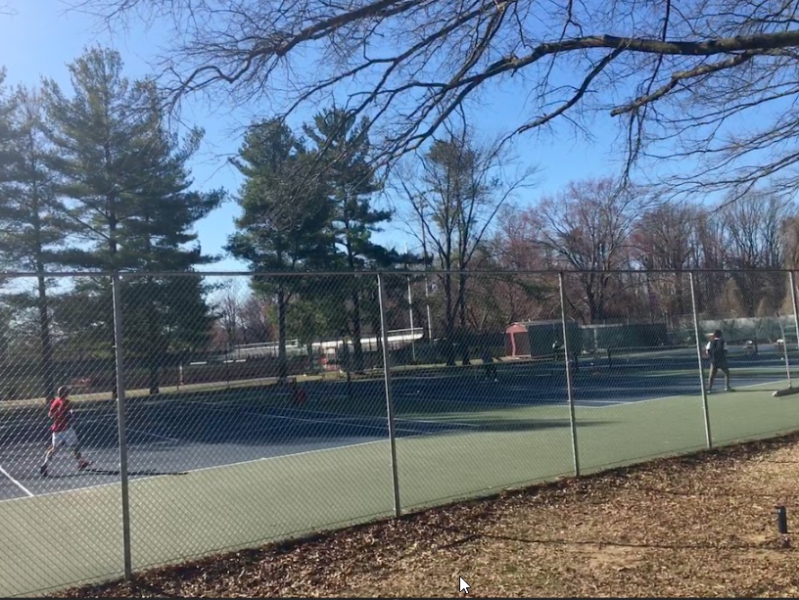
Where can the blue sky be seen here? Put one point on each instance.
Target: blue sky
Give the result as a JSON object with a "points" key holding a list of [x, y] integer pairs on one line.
{"points": [[42, 37]]}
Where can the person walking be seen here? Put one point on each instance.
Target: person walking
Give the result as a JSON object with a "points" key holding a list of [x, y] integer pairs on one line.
{"points": [[717, 353], [490, 367], [62, 431]]}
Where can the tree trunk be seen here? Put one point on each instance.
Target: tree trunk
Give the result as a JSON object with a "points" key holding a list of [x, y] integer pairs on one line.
{"points": [[46, 365], [154, 345], [355, 296], [112, 251], [590, 298], [449, 324], [282, 366], [48, 382], [357, 349], [462, 314], [679, 291], [374, 320], [154, 372]]}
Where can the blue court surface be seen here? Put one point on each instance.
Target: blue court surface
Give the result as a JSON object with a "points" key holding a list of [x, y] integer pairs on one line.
{"points": [[179, 433]]}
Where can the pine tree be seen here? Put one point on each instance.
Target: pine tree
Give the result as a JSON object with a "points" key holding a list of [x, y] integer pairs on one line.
{"points": [[7, 153], [32, 221], [92, 132], [284, 222], [342, 152], [97, 134], [159, 237], [126, 184]]}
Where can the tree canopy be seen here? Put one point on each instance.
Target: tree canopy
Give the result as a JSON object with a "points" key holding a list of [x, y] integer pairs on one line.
{"points": [[92, 179], [684, 77]]}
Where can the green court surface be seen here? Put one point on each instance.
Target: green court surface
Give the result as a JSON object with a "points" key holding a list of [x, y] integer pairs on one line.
{"points": [[55, 540]]}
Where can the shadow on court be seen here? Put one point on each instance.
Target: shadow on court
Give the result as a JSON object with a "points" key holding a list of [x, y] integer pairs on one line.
{"points": [[171, 434], [425, 404], [114, 473]]}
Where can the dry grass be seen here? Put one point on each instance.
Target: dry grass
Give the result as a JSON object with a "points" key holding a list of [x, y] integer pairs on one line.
{"points": [[695, 526]]}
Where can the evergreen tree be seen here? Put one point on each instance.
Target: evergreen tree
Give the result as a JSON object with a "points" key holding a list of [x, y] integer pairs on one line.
{"points": [[159, 236], [98, 133], [342, 158], [93, 133], [126, 184], [7, 154], [34, 229], [284, 219]]}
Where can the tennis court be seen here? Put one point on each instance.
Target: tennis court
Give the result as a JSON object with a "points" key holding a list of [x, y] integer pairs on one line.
{"points": [[233, 468], [176, 435]]}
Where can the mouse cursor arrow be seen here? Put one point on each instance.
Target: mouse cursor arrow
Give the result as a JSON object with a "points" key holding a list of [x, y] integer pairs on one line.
{"points": [[462, 585]]}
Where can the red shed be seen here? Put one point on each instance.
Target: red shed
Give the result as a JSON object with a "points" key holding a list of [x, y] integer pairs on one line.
{"points": [[517, 342], [535, 338]]}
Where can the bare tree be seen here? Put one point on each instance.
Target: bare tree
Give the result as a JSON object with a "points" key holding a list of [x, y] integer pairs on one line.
{"points": [[662, 241], [462, 185], [512, 290], [679, 72], [790, 235], [754, 227], [255, 323], [790, 241], [587, 229], [229, 308], [709, 252]]}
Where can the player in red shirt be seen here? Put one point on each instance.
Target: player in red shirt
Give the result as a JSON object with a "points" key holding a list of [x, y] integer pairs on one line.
{"points": [[300, 396], [63, 433]]}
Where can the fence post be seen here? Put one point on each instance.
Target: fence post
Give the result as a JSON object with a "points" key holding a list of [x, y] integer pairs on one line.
{"points": [[389, 398], [123, 444], [785, 357], [572, 417], [705, 409], [793, 299], [410, 318]]}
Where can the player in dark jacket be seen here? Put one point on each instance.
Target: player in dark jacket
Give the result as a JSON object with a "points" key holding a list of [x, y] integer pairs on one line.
{"points": [[490, 367], [717, 353]]}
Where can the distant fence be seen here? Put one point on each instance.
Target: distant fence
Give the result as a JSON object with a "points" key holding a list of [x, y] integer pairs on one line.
{"points": [[394, 391]]}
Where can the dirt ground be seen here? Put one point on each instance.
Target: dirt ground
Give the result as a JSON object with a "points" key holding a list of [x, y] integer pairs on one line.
{"points": [[695, 526]]}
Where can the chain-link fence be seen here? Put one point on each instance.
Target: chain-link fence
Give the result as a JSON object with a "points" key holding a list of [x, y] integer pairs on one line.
{"points": [[60, 519], [211, 412]]}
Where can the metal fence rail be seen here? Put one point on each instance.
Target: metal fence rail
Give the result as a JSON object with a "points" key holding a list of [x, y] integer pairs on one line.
{"points": [[381, 393]]}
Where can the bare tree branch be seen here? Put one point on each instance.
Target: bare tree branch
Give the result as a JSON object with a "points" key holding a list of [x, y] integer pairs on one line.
{"points": [[677, 78], [678, 71]]}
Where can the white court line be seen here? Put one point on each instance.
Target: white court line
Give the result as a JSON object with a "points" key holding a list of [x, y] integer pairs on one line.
{"points": [[303, 453], [287, 418], [481, 403], [618, 403], [16, 483], [268, 429], [603, 403], [155, 435], [340, 419], [201, 469], [380, 419], [98, 419]]}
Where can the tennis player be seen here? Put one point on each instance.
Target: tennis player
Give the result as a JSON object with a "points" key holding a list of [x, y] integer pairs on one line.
{"points": [[717, 353], [490, 367], [300, 397], [63, 433]]}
